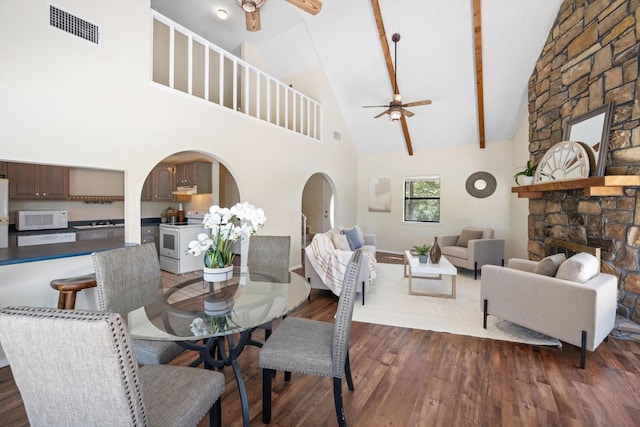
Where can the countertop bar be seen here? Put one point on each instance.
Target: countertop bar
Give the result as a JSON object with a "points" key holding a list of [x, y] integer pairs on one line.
{"points": [[17, 255]]}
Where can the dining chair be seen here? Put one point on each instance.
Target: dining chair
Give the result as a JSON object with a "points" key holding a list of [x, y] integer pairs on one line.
{"points": [[129, 278], [313, 347], [269, 255], [77, 368]]}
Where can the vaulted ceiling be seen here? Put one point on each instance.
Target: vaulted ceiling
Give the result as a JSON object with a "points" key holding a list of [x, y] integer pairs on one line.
{"points": [[435, 60]]}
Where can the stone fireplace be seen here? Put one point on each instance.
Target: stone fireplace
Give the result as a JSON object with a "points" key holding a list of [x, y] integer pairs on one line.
{"points": [[591, 58]]}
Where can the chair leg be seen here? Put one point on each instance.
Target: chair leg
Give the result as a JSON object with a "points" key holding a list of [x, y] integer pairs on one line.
{"points": [[215, 414], [362, 293], [337, 398], [583, 350], [347, 373], [287, 376], [266, 395], [485, 314], [475, 271]]}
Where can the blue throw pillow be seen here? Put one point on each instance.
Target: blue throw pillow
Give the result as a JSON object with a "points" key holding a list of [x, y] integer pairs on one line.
{"points": [[353, 238]]}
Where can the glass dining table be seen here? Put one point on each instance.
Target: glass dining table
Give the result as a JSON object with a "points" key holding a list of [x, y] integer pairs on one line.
{"points": [[217, 318]]}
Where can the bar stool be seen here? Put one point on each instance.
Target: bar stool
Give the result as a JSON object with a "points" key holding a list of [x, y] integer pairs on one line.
{"points": [[69, 287]]}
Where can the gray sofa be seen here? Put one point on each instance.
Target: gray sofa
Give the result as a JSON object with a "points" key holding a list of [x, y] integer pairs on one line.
{"points": [[582, 314], [364, 280]]}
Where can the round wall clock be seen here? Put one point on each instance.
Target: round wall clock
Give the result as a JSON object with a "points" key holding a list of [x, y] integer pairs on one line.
{"points": [[481, 184], [565, 160]]}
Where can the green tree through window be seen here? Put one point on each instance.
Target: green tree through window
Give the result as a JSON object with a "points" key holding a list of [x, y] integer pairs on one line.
{"points": [[422, 199]]}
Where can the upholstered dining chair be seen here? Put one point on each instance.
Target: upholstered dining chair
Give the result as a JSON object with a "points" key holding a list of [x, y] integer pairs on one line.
{"points": [[129, 278], [312, 347], [77, 368], [269, 255]]}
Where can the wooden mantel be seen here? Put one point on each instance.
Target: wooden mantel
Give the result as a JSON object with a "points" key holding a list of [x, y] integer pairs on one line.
{"points": [[609, 185]]}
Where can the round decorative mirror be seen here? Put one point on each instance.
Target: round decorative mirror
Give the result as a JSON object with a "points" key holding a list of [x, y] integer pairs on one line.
{"points": [[481, 184]]}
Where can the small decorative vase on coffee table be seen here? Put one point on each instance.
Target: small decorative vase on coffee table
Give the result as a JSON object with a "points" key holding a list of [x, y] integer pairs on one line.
{"points": [[435, 254]]}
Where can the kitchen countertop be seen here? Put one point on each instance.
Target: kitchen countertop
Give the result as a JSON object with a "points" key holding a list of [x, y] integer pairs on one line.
{"points": [[17, 255]]}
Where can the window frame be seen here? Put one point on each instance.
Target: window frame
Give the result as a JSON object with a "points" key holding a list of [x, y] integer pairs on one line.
{"points": [[405, 199]]}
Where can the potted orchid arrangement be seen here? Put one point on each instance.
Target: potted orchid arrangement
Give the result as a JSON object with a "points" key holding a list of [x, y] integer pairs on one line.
{"points": [[224, 226]]}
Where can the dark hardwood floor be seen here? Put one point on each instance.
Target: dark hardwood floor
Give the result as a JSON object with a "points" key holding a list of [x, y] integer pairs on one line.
{"points": [[406, 377]]}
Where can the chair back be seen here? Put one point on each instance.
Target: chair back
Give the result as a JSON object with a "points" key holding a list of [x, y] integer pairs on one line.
{"points": [[127, 278], [268, 256], [487, 233], [344, 314], [73, 368], [269, 251]]}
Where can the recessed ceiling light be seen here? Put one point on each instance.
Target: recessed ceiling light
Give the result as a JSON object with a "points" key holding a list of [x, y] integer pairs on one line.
{"points": [[222, 14]]}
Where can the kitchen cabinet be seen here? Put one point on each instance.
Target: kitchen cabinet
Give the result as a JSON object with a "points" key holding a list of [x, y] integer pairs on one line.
{"points": [[145, 195], [29, 181], [100, 233], [163, 183], [149, 234], [3, 169], [195, 173]]}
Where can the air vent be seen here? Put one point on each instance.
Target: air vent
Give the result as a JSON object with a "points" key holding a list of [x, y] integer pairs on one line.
{"points": [[64, 21]]}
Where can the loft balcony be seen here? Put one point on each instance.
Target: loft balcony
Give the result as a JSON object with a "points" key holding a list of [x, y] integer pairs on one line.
{"points": [[186, 62]]}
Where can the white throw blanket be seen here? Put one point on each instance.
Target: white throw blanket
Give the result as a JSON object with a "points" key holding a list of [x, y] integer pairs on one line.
{"points": [[331, 263]]}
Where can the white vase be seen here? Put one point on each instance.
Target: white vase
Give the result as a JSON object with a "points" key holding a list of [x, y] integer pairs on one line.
{"points": [[525, 180], [217, 274]]}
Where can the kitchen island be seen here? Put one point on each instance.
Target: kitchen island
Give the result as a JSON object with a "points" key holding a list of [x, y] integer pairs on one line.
{"points": [[26, 272]]}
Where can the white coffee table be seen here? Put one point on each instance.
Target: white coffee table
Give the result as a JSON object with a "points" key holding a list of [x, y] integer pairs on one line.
{"points": [[434, 272]]}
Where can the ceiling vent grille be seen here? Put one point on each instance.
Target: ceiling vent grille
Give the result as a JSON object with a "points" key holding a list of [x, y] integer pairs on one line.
{"points": [[64, 21]]}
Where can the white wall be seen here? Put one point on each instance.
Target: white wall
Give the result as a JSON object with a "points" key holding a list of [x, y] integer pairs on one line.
{"points": [[65, 101], [458, 208], [519, 224]]}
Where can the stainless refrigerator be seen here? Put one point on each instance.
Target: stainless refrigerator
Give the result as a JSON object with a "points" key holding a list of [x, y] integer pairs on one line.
{"points": [[4, 213]]}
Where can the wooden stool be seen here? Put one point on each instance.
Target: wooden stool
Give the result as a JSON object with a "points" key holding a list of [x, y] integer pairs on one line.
{"points": [[69, 287]]}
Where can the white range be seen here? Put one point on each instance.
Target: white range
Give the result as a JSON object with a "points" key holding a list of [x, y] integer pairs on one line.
{"points": [[174, 241]]}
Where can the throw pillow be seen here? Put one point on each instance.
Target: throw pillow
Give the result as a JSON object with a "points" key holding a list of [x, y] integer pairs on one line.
{"points": [[353, 238], [579, 268], [360, 235], [340, 242], [467, 235], [549, 266]]}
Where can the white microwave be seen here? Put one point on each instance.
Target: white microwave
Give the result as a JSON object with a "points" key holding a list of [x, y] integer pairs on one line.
{"points": [[41, 220]]}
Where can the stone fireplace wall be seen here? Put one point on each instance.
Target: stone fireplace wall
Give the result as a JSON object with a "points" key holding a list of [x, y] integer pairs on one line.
{"points": [[591, 57]]}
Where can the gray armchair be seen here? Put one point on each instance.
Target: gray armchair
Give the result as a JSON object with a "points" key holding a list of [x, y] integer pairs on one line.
{"points": [[472, 248], [76, 368], [312, 347], [130, 278]]}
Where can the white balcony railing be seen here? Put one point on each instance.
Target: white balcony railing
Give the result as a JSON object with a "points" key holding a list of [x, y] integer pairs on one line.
{"points": [[187, 62]]}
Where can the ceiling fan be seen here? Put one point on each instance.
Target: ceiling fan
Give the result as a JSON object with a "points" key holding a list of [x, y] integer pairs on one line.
{"points": [[395, 108], [252, 10]]}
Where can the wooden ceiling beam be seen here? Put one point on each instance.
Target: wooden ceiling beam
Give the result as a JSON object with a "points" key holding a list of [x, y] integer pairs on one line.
{"points": [[477, 38], [392, 75]]}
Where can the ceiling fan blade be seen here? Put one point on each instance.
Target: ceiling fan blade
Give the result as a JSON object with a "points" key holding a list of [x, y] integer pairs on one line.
{"points": [[382, 114], [253, 20], [375, 106], [415, 104], [407, 113], [309, 6]]}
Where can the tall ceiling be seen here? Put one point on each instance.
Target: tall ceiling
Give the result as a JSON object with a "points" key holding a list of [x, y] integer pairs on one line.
{"points": [[435, 60]]}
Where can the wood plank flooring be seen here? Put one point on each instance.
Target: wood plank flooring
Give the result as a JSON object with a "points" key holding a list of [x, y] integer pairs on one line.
{"points": [[406, 377]]}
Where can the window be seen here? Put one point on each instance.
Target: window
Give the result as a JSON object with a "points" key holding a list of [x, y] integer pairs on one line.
{"points": [[422, 199]]}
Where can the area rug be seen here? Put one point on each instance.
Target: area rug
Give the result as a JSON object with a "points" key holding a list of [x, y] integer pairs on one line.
{"points": [[388, 303]]}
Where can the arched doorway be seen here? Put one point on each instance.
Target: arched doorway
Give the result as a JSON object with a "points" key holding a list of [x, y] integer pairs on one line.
{"points": [[178, 191], [318, 206]]}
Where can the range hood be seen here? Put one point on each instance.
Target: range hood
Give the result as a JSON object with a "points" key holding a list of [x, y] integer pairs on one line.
{"points": [[186, 190]]}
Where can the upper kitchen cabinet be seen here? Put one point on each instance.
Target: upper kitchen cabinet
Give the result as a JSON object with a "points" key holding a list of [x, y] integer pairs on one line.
{"points": [[29, 181], [195, 174], [162, 183]]}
